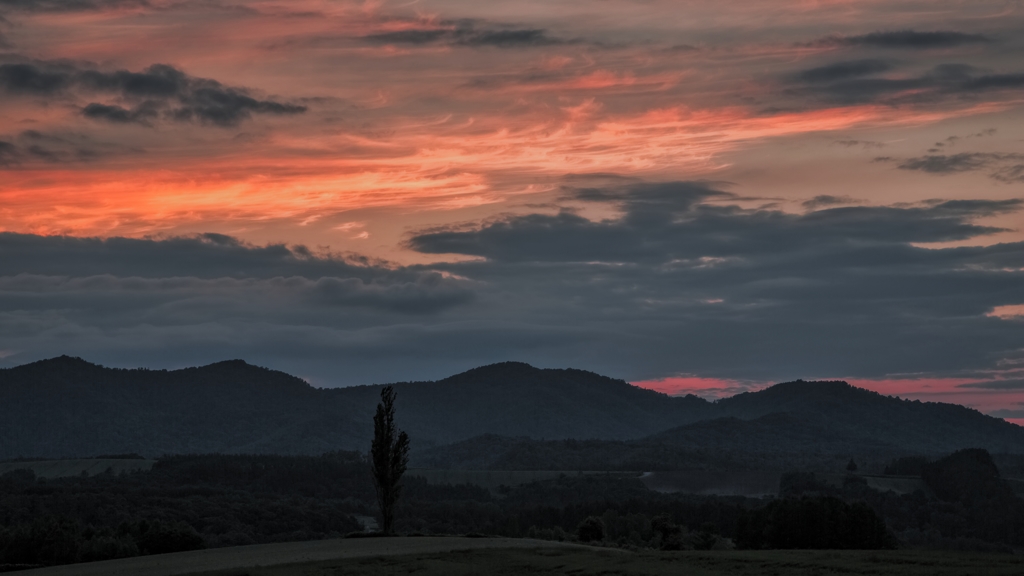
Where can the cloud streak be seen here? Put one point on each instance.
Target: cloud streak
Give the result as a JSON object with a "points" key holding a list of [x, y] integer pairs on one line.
{"points": [[467, 33], [908, 40], [158, 92], [59, 6], [1004, 167], [858, 82]]}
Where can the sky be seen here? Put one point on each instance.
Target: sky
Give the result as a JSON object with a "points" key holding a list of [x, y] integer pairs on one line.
{"points": [[700, 196]]}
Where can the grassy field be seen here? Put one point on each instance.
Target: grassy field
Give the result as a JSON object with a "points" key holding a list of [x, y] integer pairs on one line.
{"points": [[455, 556], [584, 562]]}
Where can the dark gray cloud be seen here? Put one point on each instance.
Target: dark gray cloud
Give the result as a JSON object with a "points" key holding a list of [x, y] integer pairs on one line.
{"points": [[857, 82], [996, 385], [409, 36], [1008, 413], [963, 162], [844, 70], [32, 79], [1004, 167], [210, 279], [141, 114], [470, 33], [159, 92], [194, 299], [427, 293], [8, 154], [202, 256], [994, 82], [1009, 174], [157, 81], [68, 5], [32, 147], [681, 280], [671, 221], [419, 293], [908, 39], [824, 200], [506, 38]]}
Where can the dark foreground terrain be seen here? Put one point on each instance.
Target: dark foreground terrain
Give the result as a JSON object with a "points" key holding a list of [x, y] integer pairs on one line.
{"points": [[504, 556], [508, 562], [187, 503]]}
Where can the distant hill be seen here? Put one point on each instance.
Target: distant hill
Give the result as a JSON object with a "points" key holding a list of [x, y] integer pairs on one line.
{"points": [[67, 407], [855, 413], [778, 441], [791, 425], [516, 399]]}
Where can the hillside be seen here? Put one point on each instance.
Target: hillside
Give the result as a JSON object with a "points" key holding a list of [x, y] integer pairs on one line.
{"points": [[67, 407], [792, 425], [926, 427], [780, 441], [516, 399]]}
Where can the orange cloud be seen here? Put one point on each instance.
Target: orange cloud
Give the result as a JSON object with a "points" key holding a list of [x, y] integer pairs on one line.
{"points": [[411, 127]]}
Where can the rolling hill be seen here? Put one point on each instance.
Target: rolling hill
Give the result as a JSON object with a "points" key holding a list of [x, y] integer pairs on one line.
{"points": [[67, 407]]}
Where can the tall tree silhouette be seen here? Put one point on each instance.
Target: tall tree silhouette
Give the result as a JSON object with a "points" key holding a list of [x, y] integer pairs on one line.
{"points": [[389, 454]]}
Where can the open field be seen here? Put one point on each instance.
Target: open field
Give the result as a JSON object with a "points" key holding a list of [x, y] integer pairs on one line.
{"points": [[243, 559], [68, 468], [440, 556], [594, 561]]}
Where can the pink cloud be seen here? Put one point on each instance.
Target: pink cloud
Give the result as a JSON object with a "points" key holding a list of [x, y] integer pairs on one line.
{"points": [[709, 388]]}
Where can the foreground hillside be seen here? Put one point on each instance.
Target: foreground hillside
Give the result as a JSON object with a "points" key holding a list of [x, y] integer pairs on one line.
{"points": [[596, 561], [67, 407], [294, 557], [514, 557]]}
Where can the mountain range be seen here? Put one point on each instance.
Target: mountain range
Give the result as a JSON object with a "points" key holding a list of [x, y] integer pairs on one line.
{"points": [[67, 407]]}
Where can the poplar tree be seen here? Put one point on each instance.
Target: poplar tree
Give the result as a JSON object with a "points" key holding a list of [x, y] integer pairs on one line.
{"points": [[389, 455]]}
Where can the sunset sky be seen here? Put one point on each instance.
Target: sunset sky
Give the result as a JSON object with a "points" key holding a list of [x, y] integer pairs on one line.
{"points": [[694, 196]]}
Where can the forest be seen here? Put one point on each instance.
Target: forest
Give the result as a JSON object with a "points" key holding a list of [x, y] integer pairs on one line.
{"points": [[198, 501]]}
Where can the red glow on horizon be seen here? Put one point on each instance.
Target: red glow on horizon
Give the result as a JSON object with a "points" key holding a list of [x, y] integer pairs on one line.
{"points": [[945, 390], [708, 388]]}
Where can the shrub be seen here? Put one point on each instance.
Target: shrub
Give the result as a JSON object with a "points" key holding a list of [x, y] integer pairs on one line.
{"points": [[813, 523], [591, 529]]}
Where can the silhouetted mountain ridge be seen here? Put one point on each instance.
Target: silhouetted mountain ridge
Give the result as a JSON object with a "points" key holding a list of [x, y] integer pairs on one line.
{"points": [[513, 398], [930, 427], [65, 407]]}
